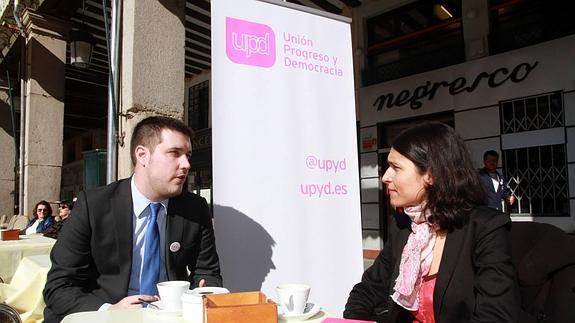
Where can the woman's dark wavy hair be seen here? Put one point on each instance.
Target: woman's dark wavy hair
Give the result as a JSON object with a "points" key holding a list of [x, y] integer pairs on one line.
{"points": [[437, 148]]}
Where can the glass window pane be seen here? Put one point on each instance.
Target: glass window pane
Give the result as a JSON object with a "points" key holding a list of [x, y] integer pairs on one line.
{"points": [[519, 115], [199, 106], [532, 113]]}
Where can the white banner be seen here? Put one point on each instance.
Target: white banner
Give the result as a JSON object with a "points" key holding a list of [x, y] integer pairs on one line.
{"points": [[286, 183]]}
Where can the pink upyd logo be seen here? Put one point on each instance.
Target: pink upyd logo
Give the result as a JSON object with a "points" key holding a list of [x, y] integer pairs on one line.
{"points": [[250, 43]]}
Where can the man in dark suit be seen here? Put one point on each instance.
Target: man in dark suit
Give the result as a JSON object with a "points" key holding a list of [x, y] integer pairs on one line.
{"points": [[125, 237], [493, 182]]}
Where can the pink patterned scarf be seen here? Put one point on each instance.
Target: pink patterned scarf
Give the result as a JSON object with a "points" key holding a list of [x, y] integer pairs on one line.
{"points": [[415, 259]]}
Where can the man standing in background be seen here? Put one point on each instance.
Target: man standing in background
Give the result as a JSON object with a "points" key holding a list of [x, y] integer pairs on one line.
{"points": [[494, 183]]}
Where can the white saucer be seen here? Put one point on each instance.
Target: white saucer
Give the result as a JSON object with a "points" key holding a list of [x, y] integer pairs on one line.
{"points": [[161, 310], [311, 309]]}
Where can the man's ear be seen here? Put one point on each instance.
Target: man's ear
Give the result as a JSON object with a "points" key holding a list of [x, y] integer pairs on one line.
{"points": [[142, 155]]}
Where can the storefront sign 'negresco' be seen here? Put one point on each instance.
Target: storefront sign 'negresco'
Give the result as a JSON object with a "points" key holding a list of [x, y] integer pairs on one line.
{"points": [[427, 91]]}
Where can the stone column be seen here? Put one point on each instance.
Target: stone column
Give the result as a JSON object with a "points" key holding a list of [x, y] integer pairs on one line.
{"points": [[153, 67], [44, 122], [7, 156]]}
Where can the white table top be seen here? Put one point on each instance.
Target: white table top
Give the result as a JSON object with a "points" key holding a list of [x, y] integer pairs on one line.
{"points": [[12, 252], [145, 316], [121, 316], [27, 239], [24, 292]]}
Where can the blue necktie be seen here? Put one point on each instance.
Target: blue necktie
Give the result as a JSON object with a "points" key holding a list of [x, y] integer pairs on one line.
{"points": [[151, 263]]}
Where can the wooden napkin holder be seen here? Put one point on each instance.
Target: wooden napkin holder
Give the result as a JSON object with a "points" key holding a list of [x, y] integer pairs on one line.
{"points": [[10, 234], [245, 307]]}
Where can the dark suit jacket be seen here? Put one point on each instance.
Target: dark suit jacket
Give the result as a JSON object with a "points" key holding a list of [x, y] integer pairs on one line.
{"points": [[493, 198], [92, 258], [475, 282], [54, 229]]}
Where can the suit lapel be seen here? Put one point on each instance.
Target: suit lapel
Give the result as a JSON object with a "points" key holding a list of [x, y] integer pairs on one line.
{"points": [[122, 213], [500, 180], [487, 181], [174, 233], [449, 258]]}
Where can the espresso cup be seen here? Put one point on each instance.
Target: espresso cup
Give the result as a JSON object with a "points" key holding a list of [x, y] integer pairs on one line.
{"points": [[171, 293], [293, 298]]}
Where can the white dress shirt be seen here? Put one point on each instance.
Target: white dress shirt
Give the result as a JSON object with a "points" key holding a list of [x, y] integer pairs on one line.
{"points": [[495, 180], [141, 216], [32, 229], [141, 213]]}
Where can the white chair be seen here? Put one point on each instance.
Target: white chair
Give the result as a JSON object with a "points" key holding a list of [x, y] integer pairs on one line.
{"points": [[3, 221], [11, 221], [18, 222]]}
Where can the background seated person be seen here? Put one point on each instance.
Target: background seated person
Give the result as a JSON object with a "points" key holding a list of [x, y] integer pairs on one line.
{"points": [[447, 258], [42, 218], [65, 208]]}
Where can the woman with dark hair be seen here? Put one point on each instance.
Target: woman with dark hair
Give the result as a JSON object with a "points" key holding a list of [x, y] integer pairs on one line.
{"points": [[42, 218], [447, 258]]}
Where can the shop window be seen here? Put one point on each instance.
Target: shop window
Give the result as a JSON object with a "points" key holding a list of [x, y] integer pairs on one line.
{"points": [[537, 174], [69, 152], [199, 105], [413, 39], [200, 182], [532, 113], [516, 24], [537, 177]]}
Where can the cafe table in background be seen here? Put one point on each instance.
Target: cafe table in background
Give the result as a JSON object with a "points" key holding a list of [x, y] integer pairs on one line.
{"points": [[12, 251], [147, 316], [24, 292]]}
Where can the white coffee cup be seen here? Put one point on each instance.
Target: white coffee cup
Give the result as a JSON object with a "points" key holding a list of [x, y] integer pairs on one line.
{"points": [[193, 303], [293, 297], [171, 293]]}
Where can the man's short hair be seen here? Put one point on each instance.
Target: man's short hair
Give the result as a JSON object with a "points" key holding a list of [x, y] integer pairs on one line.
{"points": [[490, 153], [148, 132]]}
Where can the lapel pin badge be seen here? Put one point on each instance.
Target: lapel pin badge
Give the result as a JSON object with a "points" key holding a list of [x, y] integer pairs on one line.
{"points": [[175, 246]]}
